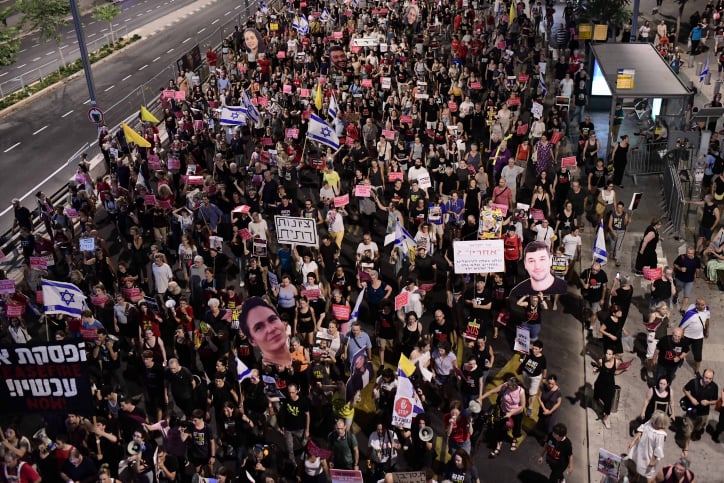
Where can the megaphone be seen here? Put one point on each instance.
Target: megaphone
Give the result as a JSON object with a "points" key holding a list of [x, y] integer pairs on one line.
{"points": [[41, 436], [474, 406], [426, 434], [134, 447]]}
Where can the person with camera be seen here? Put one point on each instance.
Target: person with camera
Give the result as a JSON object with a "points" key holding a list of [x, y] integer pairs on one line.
{"points": [[383, 445]]}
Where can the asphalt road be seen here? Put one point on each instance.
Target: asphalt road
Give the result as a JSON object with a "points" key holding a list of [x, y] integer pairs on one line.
{"points": [[37, 140], [37, 58]]}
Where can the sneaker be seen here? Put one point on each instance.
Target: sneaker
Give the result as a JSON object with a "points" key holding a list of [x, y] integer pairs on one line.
{"points": [[607, 423]]}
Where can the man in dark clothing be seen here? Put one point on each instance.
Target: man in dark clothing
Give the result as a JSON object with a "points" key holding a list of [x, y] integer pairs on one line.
{"points": [[22, 216], [558, 453], [178, 380], [294, 419], [701, 394], [670, 352], [78, 468]]}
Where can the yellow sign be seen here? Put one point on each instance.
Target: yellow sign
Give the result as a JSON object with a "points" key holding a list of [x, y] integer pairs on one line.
{"points": [[600, 32], [585, 32], [624, 81]]}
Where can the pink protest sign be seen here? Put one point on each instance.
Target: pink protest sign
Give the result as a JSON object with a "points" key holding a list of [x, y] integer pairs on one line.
{"points": [[281, 55], [362, 191], [38, 263], [169, 94], [556, 137], [180, 95], [523, 77], [321, 79], [514, 101], [246, 234], [263, 101], [7, 286], [476, 85], [72, 212], [132, 294], [154, 164], [522, 130], [341, 200], [503, 208], [165, 204], [267, 142], [242, 209], [337, 35], [304, 93], [150, 200], [406, 119], [341, 312], [312, 293], [366, 82], [307, 115], [395, 175], [349, 141], [568, 162], [99, 300], [195, 180], [389, 134], [402, 299], [15, 310], [287, 89], [173, 163], [537, 215], [292, 133]]}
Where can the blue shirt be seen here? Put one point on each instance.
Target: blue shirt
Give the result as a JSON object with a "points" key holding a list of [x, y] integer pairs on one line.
{"points": [[357, 343]]}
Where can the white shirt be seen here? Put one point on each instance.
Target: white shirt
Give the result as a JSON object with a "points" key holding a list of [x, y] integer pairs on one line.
{"points": [[566, 87], [372, 247], [571, 243], [694, 325], [543, 234], [416, 173], [381, 450], [162, 275], [511, 175], [259, 229]]}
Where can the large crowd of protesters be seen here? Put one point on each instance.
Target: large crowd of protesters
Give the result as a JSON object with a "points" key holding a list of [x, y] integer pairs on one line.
{"points": [[216, 351]]}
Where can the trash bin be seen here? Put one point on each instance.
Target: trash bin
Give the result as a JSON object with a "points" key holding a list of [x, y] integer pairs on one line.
{"points": [[707, 79], [616, 397]]}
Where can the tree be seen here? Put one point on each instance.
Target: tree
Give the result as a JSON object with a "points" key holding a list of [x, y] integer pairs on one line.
{"points": [[106, 13], [614, 13], [9, 40], [682, 4], [48, 17]]}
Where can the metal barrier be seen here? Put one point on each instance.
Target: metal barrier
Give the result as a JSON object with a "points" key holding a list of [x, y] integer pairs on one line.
{"points": [[646, 159], [675, 187]]}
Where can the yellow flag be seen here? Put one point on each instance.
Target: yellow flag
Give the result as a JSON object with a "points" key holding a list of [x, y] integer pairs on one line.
{"points": [[512, 12], [319, 98], [133, 137], [147, 116], [406, 365]]}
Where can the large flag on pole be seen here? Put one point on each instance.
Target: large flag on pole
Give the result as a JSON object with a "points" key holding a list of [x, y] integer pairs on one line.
{"points": [[333, 108], [704, 71], [251, 111], [407, 403], [242, 370], [354, 315], [511, 14], [402, 238], [147, 116], [233, 116], [133, 137], [318, 98], [320, 131], [599, 246], [62, 298]]}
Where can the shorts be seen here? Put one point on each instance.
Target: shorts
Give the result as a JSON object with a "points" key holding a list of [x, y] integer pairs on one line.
{"points": [[696, 346], [683, 289], [704, 232], [594, 307], [385, 343], [533, 383], [651, 344]]}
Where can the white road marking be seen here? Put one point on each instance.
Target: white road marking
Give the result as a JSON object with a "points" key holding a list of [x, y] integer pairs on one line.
{"points": [[4, 73], [212, 23], [40, 130], [50, 53], [21, 66], [237, 7], [91, 23], [186, 40], [149, 10], [127, 20], [21, 51], [116, 24], [140, 14], [169, 51], [154, 60], [86, 102], [110, 88], [36, 59], [11, 148], [91, 35], [64, 46], [129, 75], [201, 30], [144, 66], [104, 30], [227, 13], [67, 113], [36, 44]]}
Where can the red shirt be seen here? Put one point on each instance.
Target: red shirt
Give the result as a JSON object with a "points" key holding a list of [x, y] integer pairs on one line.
{"points": [[460, 428], [512, 246]]}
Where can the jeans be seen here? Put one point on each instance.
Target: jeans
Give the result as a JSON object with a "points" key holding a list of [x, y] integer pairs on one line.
{"points": [[533, 329], [289, 438]]}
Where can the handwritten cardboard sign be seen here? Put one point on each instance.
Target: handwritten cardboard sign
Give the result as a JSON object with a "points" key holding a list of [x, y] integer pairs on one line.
{"points": [[362, 191], [87, 244]]}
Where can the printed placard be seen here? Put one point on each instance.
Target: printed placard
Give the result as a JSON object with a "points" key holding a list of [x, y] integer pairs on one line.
{"points": [[7, 286], [72, 212], [479, 256], [263, 101], [406, 119], [15, 310], [476, 85], [292, 133], [537, 214], [165, 204], [38, 263], [173, 163], [287, 89], [568, 162], [452, 106], [395, 175], [609, 464], [389, 134], [154, 162], [150, 200], [180, 95], [195, 180], [99, 300], [341, 312], [522, 130], [132, 294], [296, 230], [312, 293], [424, 181], [386, 82], [259, 247], [283, 55], [653, 273], [537, 110], [337, 35], [513, 101], [503, 208], [402, 299], [523, 78], [340, 201], [169, 94], [362, 191], [304, 93], [366, 83], [522, 340], [87, 244]]}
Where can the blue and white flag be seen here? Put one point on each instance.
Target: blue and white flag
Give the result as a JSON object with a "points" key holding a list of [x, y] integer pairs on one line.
{"points": [[242, 371], [251, 111], [325, 16], [354, 315], [263, 7], [301, 25], [407, 404], [542, 85], [233, 116], [62, 298], [333, 108], [704, 71], [320, 131], [402, 239], [599, 246]]}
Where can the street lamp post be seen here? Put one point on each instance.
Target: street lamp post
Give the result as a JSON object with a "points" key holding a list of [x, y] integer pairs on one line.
{"points": [[83, 52]]}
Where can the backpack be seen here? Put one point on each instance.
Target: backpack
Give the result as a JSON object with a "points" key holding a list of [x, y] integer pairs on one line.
{"points": [[718, 167]]}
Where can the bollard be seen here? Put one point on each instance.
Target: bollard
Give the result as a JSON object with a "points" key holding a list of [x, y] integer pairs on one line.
{"points": [[691, 61], [699, 68], [707, 79], [616, 397], [717, 87]]}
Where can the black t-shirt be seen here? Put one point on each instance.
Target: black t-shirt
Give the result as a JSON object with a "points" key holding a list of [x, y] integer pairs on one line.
{"points": [[534, 366], [180, 383], [596, 282], [661, 289], [558, 452], [294, 414], [200, 443], [471, 380], [440, 333], [668, 349], [710, 392], [479, 298], [171, 464], [153, 378]]}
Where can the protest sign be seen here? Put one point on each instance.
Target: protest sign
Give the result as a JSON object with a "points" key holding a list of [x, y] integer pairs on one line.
{"points": [[402, 299], [346, 476], [340, 201], [87, 244], [7, 286], [479, 256], [362, 191], [296, 230], [38, 263], [522, 340], [568, 162], [424, 181]]}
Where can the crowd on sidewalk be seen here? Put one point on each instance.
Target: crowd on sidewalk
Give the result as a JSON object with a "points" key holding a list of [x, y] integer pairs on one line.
{"points": [[432, 127]]}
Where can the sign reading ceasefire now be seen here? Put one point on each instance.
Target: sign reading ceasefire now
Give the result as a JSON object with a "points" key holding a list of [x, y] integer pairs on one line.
{"points": [[296, 230]]}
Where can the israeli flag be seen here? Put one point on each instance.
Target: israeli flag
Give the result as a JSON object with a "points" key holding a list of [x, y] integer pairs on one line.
{"points": [[301, 25], [599, 246], [242, 371], [325, 16], [62, 298], [704, 71], [332, 109], [233, 116], [320, 131], [354, 315], [542, 85], [402, 239], [263, 7], [251, 111]]}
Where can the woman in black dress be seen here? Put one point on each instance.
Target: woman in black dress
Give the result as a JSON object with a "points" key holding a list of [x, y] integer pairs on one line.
{"points": [[646, 256], [612, 330], [620, 158], [605, 386], [410, 333]]}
